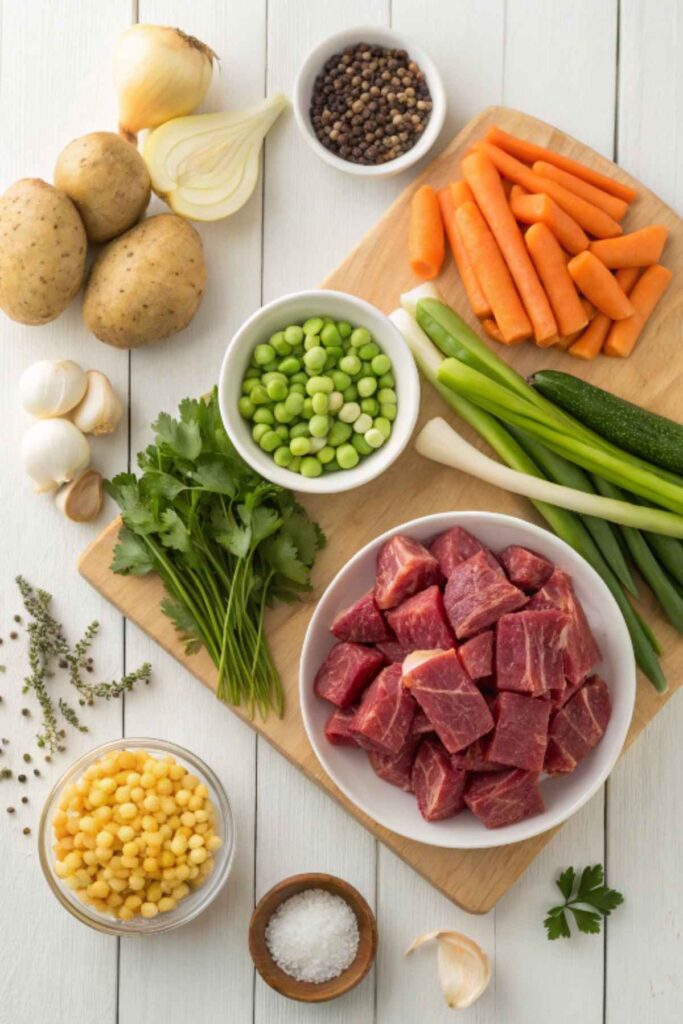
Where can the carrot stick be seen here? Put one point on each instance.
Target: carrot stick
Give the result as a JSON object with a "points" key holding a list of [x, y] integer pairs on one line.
{"points": [[646, 293], [589, 309], [460, 193], [529, 152], [517, 192], [612, 205], [425, 238], [593, 338], [493, 274], [594, 280], [484, 180], [594, 221], [541, 209], [549, 262], [636, 249], [493, 330], [477, 300]]}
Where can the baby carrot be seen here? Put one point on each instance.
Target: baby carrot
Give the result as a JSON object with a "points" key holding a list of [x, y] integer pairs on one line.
{"points": [[447, 202], [425, 238], [612, 205], [594, 221], [549, 262], [460, 193], [493, 274], [484, 180], [593, 338], [646, 293], [493, 330], [636, 249], [529, 152], [541, 209], [599, 286]]}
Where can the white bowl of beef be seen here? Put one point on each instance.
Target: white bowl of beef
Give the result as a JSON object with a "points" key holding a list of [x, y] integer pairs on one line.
{"points": [[373, 36], [596, 655]]}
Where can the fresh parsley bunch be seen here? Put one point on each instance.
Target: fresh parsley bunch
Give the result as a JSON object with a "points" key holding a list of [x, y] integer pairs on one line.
{"points": [[591, 892], [226, 543]]}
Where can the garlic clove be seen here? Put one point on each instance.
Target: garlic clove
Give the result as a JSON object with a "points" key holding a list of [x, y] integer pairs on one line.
{"points": [[51, 387], [53, 452], [81, 500], [101, 409], [464, 969]]}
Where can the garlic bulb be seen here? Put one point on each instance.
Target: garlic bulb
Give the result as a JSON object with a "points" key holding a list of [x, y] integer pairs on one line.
{"points": [[51, 388], [81, 500], [464, 971], [100, 409], [53, 452], [159, 73]]}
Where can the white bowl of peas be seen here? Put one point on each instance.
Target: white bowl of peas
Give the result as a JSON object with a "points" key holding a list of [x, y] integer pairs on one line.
{"points": [[319, 392]]}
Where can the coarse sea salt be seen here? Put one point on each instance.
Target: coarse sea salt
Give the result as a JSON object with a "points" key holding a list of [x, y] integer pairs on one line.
{"points": [[313, 936]]}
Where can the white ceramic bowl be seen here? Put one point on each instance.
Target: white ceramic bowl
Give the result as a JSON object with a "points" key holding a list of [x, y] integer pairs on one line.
{"points": [[563, 795], [375, 36], [296, 308]]}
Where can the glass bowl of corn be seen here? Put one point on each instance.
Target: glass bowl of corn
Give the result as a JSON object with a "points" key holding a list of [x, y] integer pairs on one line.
{"points": [[137, 837]]}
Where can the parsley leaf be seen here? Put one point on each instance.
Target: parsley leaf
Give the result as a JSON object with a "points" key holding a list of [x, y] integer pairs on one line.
{"points": [[590, 892], [131, 557]]}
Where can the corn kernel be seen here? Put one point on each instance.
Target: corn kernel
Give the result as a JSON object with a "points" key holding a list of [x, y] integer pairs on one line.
{"points": [[127, 811], [99, 889], [214, 843], [149, 910], [125, 914], [166, 903]]}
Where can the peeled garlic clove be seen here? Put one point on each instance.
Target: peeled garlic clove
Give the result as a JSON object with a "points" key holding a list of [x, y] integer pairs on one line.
{"points": [[81, 500], [464, 970], [101, 409], [54, 452], [51, 388]]}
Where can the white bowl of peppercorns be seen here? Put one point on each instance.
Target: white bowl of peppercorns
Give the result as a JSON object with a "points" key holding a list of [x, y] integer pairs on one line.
{"points": [[369, 102]]}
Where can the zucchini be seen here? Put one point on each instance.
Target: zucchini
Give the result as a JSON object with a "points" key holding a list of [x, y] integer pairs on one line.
{"points": [[645, 434]]}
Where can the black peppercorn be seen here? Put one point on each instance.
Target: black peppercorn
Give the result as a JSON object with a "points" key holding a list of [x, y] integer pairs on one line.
{"points": [[10, 810], [21, 778], [26, 831], [24, 799]]}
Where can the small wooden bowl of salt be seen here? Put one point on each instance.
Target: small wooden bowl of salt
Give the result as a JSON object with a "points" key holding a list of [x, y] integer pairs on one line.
{"points": [[312, 937]]}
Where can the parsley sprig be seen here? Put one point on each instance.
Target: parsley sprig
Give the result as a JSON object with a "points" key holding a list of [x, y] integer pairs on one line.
{"points": [[591, 892], [226, 543]]}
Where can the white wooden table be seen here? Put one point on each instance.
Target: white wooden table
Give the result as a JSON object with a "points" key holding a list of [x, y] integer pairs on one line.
{"points": [[606, 71]]}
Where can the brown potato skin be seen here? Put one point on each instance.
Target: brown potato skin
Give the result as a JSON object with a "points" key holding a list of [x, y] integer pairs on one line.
{"points": [[108, 182], [147, 284], [42, 251]]}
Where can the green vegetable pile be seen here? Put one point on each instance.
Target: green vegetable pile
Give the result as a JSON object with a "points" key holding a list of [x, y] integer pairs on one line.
{"points": [[226, 543]]}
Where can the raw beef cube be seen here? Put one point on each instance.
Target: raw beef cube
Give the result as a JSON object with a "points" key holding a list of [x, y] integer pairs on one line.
{"points": [[456, 546], [345, 673], [362, 623], [395, 768], [581, 652], [420, 622], [451, 701], [403, 568], [501, 798], [530, 651], [477, 655], [473, 758], [337, 730], [421, 723], [385, 714], [560, 696], [525, 568], [477, 595], [392, 651], [578, 727], [521, 732], [437, 784]]}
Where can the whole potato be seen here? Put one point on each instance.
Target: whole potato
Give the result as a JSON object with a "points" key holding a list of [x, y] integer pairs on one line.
{"points": [[42, 251], [108, 181], [146, 284]]}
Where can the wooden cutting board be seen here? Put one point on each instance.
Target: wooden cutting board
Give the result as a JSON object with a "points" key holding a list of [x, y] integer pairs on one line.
{"points": [[377, 271]]}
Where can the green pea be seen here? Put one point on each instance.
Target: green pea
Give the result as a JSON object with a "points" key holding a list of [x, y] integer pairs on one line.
{"points": [[259, 430], [330, 335], [311, 341], [320, 403], [374, 438], [347, 456], [248, 384], [385, 395], [297, 389], [300, 446], [340, 380], [299, 430], [281, 413], [277, 390], [366, 368], [344, 328], [319, 426], [387, 380], [388, 411], [361, 336], [370, 406], [335, 401], [263, 415], [330, 362], [314, 359], [269, 367], [294, 335], [350, 394], [315, 384], [366, 387], [282, 457], [326, 455], [259, 395], [350, 364], [360, 444], [298, 378], [252, 373], [295, 464], [369, 351], [263, 354], [383, 425], [289, 366], [294, 403], [311, 467], [272, 375], [313, 325], [335, 350], [381, 364], [331, 467], [282, 432], [246, 407], [282, 347], [307, 410], [270, 441], [339, 433]]}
